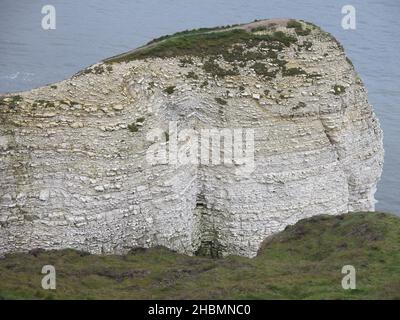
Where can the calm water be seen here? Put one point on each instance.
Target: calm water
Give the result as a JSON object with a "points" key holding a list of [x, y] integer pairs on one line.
{"points": [[88, 31]]}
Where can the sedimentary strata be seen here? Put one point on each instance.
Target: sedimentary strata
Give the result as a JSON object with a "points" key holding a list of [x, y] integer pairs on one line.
{"points": [[74, 166]]}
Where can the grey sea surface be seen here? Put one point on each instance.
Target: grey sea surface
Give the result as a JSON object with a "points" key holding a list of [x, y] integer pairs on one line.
{"points": [[91, 30]]}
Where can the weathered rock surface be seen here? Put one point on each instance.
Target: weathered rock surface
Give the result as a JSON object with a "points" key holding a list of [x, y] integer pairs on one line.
{"points": [[73, 165]]}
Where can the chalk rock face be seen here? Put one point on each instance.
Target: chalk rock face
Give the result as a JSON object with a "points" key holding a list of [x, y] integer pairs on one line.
{"points": [[120, 155]]}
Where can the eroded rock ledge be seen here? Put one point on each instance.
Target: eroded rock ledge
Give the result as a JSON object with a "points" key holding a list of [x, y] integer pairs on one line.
{"points": [[73, 166]]}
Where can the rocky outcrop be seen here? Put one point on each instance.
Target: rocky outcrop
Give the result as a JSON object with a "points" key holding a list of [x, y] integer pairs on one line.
{"points": [[80, 166]]}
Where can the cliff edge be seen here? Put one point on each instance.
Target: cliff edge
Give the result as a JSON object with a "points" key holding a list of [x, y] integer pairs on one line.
{"points": [[206, 142]]}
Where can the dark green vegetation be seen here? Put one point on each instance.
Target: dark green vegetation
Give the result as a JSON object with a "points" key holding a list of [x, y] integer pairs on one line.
{"points": [[43, 103], [288, 72], [134, 127], [262, 69], [302, 262], [338, 89], [170, 89], [186, 61], [298, 28], [349, 61], [191, 32], [221, 101], [192, 75], [11, 101], [214, 69], [299, 106], [224, 50], [202, 43], [99, 69]]}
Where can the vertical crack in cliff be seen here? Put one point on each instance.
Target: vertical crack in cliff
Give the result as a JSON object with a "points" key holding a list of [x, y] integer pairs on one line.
{"points": [[333, 141]]}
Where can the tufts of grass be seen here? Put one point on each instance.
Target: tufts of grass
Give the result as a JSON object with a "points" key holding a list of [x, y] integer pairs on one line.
{"points": [[204, 84], [290, 72], [349, 61], [11, 101], [214, 69], [306, 45], [45, 103], [221, 101], [190, 32], [299, 106], [338, 89], [283, 38], [186, 61], [202, 44], [192, 75], [133, 127], [262, 69], [304, 261], [313, 75], [258, 29], [298, 28], [294, 24], [169, 89]]}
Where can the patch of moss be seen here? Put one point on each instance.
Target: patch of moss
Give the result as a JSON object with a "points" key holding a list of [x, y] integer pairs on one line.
{"points": [[221, 101], [306, 45], [284, 38], [294, 24], [204, 84], [192, 75], [202, 44], [151, 85], [349, 61], [191, 32], [98, 69], [263, 70], [133, 127], [186, 61], [298, 28], [313, 75], [169, 89], [69, 103], [338, 89], [299, 106], [259, 28], [290, 72], [11, 101], [45, 103], [214, 69]]}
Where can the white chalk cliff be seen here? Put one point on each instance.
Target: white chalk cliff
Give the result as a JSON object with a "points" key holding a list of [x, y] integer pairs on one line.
{"points": [[74, 171]]}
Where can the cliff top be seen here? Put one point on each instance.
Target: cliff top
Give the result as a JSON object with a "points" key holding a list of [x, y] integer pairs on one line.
{"points": [[273, 33]]}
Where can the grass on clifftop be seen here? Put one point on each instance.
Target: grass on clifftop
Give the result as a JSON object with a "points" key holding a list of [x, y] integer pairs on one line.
{"points": [[302, 262], [201, 43]]}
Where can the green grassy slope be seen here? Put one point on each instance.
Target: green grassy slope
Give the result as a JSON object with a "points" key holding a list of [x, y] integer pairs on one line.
{"points": [[302, 262]]}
